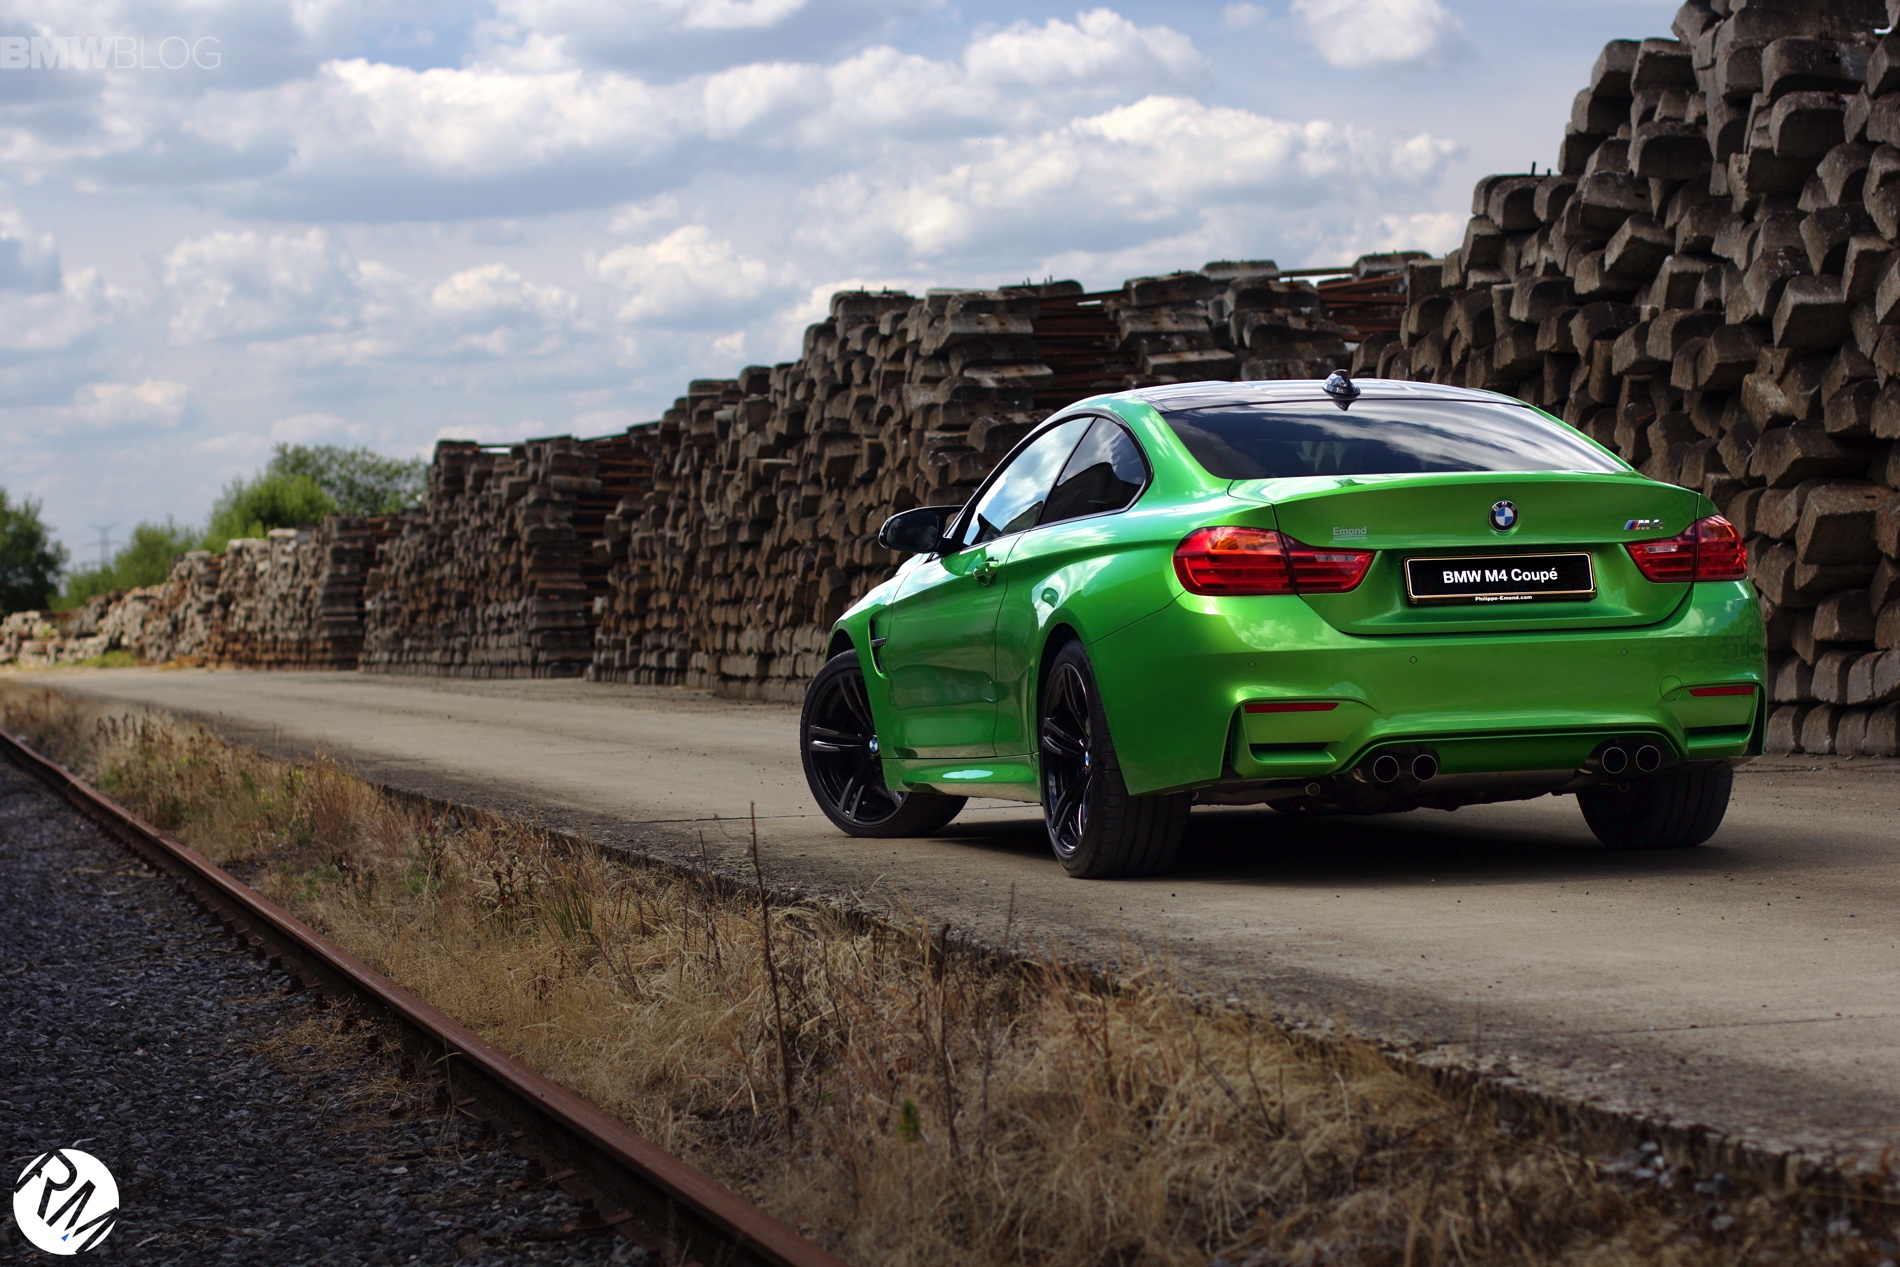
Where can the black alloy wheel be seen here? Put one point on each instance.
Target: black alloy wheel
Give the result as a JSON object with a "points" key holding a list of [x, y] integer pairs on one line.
{"points": [[838, 741], [1068, 768], [1095, 827]]}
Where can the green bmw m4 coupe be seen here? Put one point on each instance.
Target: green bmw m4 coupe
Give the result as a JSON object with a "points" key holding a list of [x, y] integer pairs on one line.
{"points": [[1330, 597]]}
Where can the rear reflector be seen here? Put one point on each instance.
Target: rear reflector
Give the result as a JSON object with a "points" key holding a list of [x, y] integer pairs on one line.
{"points": [[1293, 706], [1701, 692], [1235, 560], [1707, 550]]}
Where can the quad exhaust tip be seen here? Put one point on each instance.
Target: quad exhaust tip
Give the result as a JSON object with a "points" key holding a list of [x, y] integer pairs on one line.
{"points": [[1614, 760], [1648, 758], [1389, 767]]}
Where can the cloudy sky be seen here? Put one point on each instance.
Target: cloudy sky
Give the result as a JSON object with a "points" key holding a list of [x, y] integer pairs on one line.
{"points": [[341, 221]]}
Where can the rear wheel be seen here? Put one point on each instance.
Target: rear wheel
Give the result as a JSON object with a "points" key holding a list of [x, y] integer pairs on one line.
{"points": [[838, 740], [1672, 810], [1096, 828]]}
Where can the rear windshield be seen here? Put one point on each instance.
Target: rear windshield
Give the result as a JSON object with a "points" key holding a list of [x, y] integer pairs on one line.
{"points": [[1379, 437]]}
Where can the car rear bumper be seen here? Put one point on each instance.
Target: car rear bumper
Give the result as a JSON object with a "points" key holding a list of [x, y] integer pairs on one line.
{"points": [[1176, 685]]}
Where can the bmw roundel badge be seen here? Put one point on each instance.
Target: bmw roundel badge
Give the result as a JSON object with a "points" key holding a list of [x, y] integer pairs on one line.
{"points": [[1503, 516]]}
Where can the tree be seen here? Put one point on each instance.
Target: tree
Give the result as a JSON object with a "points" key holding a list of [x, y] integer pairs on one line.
{"points": [[359, 481], [251, 508], [29, 559], [145, 560]]}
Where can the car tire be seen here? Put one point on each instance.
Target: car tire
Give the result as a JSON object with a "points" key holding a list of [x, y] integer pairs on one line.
{"points": [[837, 740], [1098, 830], [1673, 810]]}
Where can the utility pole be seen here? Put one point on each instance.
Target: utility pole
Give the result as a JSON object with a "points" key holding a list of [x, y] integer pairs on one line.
{"points": [[105, 542]]}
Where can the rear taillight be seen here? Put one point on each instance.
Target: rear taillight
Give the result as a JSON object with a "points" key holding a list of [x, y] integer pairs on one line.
{"points": [[1235, 560], [1317, 571], [1707, 550], [1720, 553]]}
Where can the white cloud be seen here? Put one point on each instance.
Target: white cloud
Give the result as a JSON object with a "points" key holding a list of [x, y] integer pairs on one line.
{"points": [[688, 277], [1355, 34], [596, 18], [312, 299], [114, 406], [247, 285], [457, 123], [317, 428], [1156, 162], [1242, 15], [726, 14], [1099, 42], [368, 139], [44, 308], [675, 36], [28, 260], [63, 319], [642, 217], [498, 312]]}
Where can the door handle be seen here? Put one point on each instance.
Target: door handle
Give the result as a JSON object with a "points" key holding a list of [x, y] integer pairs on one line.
{"points": [[985, 572]]}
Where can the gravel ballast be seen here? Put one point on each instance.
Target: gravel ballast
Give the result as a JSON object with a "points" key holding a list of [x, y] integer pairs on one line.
{"points": [[240, 1129]]}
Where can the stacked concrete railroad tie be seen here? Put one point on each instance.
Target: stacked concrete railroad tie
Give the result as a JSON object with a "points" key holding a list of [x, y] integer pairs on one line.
{"points": [[294, 599], [490, 577], [767, 489], [1707, 283]]}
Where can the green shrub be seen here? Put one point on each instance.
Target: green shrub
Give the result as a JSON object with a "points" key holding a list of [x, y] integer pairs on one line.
{"points": [[251, 508], [359, 481]]}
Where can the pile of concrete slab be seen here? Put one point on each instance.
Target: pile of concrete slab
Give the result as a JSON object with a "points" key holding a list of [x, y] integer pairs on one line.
{"points": [[1707, 283]]}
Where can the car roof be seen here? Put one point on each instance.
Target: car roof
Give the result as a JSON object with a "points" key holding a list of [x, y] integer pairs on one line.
{"points": [[1212, 395]]}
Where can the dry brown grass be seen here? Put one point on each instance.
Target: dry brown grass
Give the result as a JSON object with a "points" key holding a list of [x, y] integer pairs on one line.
{"points": [[944, 1108]]}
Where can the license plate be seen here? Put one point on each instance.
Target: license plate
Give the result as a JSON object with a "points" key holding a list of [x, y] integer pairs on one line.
{"points": [[1515, 578]]}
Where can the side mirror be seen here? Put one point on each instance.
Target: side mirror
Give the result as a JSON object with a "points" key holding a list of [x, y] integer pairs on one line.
{"points": [[918, 531]]}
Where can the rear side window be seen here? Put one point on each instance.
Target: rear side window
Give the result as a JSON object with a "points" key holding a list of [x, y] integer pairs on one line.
{"points": [[1014, 497], [1379, 437], [1104, 473]]}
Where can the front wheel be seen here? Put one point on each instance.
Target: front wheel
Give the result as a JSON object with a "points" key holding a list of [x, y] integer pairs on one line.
{"points": [[1096, 828], [837, 740], [1673, 810]]}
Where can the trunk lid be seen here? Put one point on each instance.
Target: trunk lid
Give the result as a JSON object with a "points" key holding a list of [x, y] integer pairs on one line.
{"points": [[1448, 516]]}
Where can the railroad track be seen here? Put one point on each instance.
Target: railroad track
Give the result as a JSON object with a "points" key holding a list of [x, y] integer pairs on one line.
{"points": [[624, 1183]]}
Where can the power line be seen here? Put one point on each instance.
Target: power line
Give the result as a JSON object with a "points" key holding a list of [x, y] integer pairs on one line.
{"points": [[105, 542]]}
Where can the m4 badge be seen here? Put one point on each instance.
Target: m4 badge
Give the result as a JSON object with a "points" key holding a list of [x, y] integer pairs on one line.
{"points": [[1643, 525]]}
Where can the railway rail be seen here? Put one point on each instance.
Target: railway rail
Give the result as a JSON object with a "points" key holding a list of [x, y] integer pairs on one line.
{"points": [[625, 1184]]}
